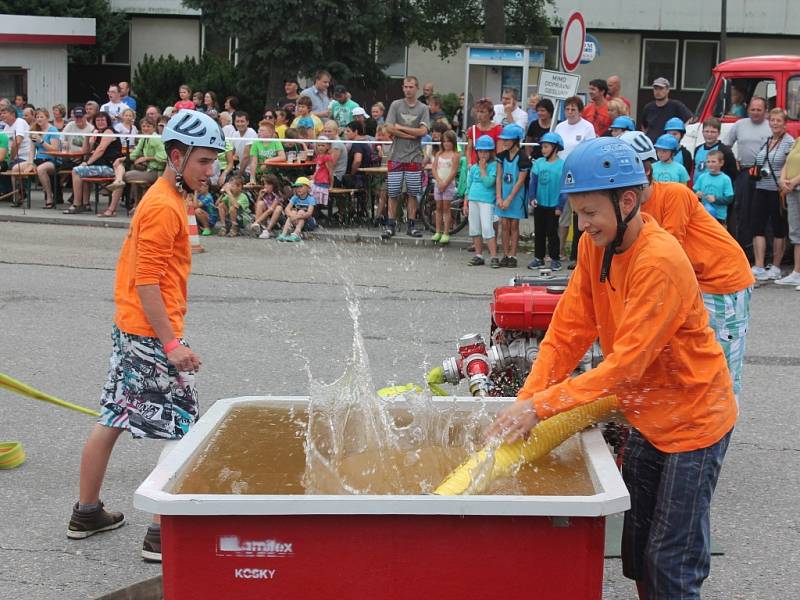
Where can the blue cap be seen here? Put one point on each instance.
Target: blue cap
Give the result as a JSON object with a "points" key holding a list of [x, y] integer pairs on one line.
{"points": [[484, 142], [623, 122], [667, 142], [552, 138], [604, 163], [512, 131], [675, 124]]}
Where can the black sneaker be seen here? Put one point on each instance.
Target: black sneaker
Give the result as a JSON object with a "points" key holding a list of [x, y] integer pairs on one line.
{"points": [[387, 233], [151, 547], [511, 262], [413, 232], [85, 524], [504, 261], [476, 261], [494, 263]]}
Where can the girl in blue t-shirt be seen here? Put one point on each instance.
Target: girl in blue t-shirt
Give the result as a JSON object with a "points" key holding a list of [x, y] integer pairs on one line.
{"points": [[513, 167], [666, 170], [547, 201], [479, 202]]}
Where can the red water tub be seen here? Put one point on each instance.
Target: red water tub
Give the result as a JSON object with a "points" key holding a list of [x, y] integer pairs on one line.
{"points": [[366, 546]]}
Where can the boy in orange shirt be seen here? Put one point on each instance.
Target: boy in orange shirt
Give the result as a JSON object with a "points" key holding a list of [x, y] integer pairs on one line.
{"points": [[722, 269], [150, 387], [661, 361]]}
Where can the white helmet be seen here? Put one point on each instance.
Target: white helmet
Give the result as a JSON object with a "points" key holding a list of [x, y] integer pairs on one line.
{"points": [[641, 144], [195, 129]]}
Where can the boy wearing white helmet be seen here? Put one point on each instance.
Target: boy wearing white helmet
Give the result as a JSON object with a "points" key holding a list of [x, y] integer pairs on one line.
{"points": [[635, 289], [150, 386]]}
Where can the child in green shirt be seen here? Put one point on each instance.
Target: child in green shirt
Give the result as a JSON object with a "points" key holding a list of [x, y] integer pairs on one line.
{"points": [[234, 206]]}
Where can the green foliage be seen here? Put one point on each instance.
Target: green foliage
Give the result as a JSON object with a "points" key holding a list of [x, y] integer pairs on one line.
{"points": [[109, 25], [450, 104], [156, 81]]}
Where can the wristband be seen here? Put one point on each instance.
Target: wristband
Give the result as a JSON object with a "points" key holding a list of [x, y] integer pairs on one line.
{"points": [[171, 345]]}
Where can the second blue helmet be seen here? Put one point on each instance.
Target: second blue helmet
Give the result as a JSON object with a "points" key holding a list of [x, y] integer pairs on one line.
{"points": [[484, 142], [512, 131], [552, 138], [667, 142]]}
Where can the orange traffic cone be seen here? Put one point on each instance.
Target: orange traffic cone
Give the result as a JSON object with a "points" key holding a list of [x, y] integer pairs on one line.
{"points": [[194, 234]]}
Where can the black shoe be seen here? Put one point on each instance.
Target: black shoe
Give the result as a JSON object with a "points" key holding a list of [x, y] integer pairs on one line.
{"points": [[504, 261], [476, 261], [511, 262], [85, 524], [494, 263], [151, 547], [387, 233], [413, 232]]}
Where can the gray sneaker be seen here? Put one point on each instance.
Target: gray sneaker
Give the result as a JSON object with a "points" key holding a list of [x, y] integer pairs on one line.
{"points": [[151, 547], [85, 524]]}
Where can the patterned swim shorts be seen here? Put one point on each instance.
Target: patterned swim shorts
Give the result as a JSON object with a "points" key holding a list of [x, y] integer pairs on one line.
{"points": [[144, 393]]}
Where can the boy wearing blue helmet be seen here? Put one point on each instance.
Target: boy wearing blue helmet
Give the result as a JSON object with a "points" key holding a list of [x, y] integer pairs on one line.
{"points": [[150, 387], [666, 169], [513, 167], [635, 289], [479, 203], [676, 128], [547, 201], [620, 125]]}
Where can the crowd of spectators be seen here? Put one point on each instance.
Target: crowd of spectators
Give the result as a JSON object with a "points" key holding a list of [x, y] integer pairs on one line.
{"points": [[751, 191]]}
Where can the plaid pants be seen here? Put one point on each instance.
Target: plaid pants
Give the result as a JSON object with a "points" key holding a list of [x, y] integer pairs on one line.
{"points": [[729, 317]]}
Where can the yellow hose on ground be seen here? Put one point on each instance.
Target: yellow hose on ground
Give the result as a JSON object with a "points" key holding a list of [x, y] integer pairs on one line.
{"points": [[546, 436], [11, 453], [433, 378]]}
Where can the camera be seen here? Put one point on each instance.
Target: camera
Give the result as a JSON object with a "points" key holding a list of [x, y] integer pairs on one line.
{"points": [[765, 172]]}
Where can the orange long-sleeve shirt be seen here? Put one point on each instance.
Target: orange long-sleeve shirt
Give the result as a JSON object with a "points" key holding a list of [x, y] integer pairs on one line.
{"points": [[156, 251], [719, 262], [661, 358]]}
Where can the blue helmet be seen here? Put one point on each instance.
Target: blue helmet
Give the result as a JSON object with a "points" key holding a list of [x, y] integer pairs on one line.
{"points": [[512, 131], [484, 142], [194, 129], [675, 124], [552, 138], [641, 144], [667, 142], [602, 164], [623, 122]]}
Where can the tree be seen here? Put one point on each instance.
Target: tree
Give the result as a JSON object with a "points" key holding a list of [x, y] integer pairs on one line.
{"points": [[109, 25], [283, 38]]}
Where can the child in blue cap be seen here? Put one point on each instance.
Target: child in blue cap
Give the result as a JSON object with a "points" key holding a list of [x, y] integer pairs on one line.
{"points": [[513, 167]]}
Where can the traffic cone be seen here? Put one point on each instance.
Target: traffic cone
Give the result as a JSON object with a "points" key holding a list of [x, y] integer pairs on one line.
{"points": [[194, 234]]}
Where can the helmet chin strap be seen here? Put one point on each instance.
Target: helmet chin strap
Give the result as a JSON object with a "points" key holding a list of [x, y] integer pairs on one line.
{"points": [[179, 182], [622, 226]]}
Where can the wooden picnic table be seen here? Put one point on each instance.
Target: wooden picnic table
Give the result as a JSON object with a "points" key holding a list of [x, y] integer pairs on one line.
{"points": [[372, 174]]}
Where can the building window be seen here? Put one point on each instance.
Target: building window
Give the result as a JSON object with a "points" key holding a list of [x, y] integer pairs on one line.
{"points": [[395, 60], [219, 44], [551, 54], [13, 82], [121, 54], [699, 57], [659, 59]]}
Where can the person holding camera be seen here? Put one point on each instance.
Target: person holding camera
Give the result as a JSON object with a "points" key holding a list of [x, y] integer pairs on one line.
{"points": [[767, 206]]}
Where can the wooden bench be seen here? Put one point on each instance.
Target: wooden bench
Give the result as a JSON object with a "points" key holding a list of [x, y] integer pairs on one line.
{"points": [[346, 216], [24, 180], [97, 183]]}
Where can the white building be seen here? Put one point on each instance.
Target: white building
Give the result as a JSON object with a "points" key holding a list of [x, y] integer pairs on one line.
{"points": [[33, 56]]}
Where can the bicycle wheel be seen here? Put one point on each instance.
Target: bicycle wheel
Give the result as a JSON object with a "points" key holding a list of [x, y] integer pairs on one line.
{"points": [[427, 211]]}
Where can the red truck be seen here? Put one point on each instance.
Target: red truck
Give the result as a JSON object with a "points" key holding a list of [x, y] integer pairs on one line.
{"points": [[734, 82]]}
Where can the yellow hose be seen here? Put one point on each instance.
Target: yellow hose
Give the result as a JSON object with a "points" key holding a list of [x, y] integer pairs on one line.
{"points": [[546, 436], [11, 455]]}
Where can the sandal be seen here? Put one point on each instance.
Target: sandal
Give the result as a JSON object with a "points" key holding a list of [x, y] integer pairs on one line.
{"points": [[72, 210], [48, 206], [107, 213]]}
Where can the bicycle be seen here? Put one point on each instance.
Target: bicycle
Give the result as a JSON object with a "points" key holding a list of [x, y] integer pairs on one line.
{"points": [[427, 210]]}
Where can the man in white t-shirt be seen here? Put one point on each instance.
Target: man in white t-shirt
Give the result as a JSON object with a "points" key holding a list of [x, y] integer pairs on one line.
{"points": [[509, 112], [573, 131], [16, 129], [115, 105], [241, 148], [79, 125]]}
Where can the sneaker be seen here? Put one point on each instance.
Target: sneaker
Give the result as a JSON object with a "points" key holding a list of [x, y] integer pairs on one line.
{"points": [[265, 235], [206, 232], [388, 233], [536, 263], [774, 272], [256, 228], [281, 237], [151, 547], [511, 262], [85, 524], [476, 261], [760, 273], [504, 261], [414, 232], [445, 239], [792, 278], [293, 237], [756, 270], [219, 229], [494, 263], [555, 265], [571, 266], [436, 237], [234, 232]]}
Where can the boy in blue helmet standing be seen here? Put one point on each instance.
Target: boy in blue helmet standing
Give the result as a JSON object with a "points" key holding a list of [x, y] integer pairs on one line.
{"points": [[635, 289], [150, 386], [547, 200], [666, 169], [513, 167]]}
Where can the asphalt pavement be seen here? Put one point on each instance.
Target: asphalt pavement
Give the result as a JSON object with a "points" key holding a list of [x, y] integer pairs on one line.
{"points": [[259, 311]]}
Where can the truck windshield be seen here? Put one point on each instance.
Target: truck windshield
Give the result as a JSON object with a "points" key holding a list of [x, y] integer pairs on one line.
{"points": [[731, 99]]}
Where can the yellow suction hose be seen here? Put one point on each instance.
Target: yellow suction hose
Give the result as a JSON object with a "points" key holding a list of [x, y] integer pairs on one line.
{"points": [[546, 436], [11, 453], [433, 378]]}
